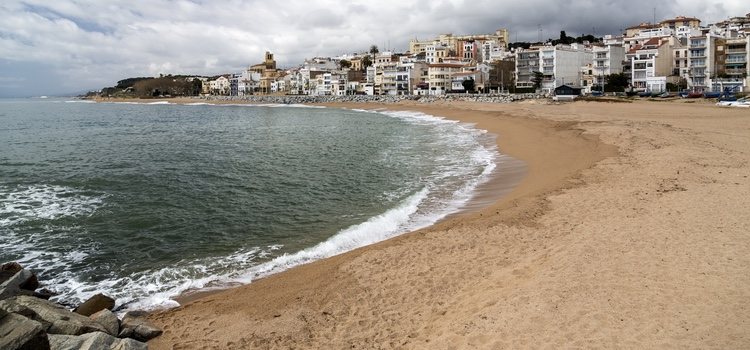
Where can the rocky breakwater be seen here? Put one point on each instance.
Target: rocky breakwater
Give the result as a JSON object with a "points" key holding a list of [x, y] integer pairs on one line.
{"points": [[29, 321], [311, 99]]}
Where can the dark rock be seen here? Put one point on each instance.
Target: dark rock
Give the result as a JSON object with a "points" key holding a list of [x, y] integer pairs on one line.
{"points": [[20, 333], [57, 319], [94, 304], [135, 325], [44, 293], [8, 270], [108, 320], [12, 286]]}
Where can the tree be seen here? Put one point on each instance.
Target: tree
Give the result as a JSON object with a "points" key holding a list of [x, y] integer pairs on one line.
{"points": [[366, 62], [564, 39], [537, 79], [345, 64], [374, 49], [468, 84], [617, 80]]}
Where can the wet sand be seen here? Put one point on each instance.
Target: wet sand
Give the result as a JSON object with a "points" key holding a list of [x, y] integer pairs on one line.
{"points": [[629, 229]]}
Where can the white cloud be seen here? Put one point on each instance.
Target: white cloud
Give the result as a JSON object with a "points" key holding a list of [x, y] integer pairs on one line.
{"points": [[95, 43]]}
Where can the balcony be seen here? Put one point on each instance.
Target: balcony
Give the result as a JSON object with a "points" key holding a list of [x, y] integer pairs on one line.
{"points": [[731, 51], [736, 71]]}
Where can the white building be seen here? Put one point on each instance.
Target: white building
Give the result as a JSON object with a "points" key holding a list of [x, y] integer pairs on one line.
{"points": [[608, 60], [558, 65], [219, 86]]}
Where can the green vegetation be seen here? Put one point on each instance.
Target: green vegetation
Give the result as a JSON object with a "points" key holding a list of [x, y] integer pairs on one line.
{"points": [[146, 87]]}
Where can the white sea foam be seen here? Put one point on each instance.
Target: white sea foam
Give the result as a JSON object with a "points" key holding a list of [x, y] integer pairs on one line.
{"points": [[80, 101], [159, 103], [43, 202], [155, 288]]}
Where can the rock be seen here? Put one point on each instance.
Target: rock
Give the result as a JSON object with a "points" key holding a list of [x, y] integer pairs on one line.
{"points": [[57, 319], [17, 284], [8, 270], [130, 344], [108, 320], [11, 306], [65, 342], [20, 333], [96, 303], [93, 341], [44, 293], [135, 325]]}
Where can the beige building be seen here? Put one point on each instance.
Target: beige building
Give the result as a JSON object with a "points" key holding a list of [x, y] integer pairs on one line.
{"points": [[455, 42], [268, 73], [440, 76]]}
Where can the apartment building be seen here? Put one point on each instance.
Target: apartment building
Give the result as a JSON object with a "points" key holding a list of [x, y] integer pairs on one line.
{"points": [[440, 77], [608, 59], [560, 64], [651, 64]]}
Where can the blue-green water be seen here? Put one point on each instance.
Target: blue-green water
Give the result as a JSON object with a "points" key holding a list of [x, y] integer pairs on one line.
{"points": [[145, 201]]}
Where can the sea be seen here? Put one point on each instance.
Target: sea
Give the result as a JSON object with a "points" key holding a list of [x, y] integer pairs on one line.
{"points": [[147, 201]]}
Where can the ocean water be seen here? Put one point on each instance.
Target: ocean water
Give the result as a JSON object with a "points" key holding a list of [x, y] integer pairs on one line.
{"points": [[146, 201]]}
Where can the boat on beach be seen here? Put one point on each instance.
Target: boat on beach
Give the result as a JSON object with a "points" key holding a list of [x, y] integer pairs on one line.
{"points": [[741, 103]]}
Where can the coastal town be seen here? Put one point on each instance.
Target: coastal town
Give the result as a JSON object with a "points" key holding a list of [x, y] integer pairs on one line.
{"points": [[678, 54]]}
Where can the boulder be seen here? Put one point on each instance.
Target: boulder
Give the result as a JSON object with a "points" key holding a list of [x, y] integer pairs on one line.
{"points": [[94, 304], [17, 284], [20, 333], [10, 269], [65, 342], [93, 341], [57, 319], [44, 293], [129, 344], [108, 320], [135, 325]]}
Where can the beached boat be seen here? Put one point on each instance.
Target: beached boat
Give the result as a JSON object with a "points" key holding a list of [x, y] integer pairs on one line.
{"points": [[695, 94], [741, 103], [644, 94], [665, 95], [711, 94]]}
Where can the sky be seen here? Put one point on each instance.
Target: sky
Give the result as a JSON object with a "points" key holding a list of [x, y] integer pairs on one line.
{"points": [[72, 46]]}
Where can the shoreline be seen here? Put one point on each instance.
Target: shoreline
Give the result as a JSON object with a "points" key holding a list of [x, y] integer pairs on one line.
{"points": [[629, 231], [508, 173], [518, 192]]}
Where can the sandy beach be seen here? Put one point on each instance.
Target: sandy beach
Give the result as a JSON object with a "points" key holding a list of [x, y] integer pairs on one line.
{"points": [[630, 228]]}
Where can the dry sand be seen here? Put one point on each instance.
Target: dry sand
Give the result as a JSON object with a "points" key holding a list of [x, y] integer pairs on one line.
{"points": [[631, 229]]}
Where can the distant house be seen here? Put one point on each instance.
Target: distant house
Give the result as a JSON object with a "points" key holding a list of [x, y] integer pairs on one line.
{"points": [[566, 92]]}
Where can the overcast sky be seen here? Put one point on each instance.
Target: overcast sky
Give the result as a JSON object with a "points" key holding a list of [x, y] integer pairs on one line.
{"points": [[56, 47]]}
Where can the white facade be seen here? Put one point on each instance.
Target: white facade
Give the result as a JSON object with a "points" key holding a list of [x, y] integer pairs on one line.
{"points": [[562, 64], [607, 60]]}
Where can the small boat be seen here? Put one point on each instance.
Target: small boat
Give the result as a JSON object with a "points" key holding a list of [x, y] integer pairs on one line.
{"points": [[665, 95], [711, 94], [683, 94], [644, 94], [695, 94], [596, 93], [741, 103], [728, 98]]}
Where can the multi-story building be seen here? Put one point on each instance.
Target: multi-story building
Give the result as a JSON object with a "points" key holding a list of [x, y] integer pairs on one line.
{"points": [[500, 38], [702, 57], [436, 53], [558, 65], [607, 60], [651, 64], [736, 75], [527, 63], [440, 77]]}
